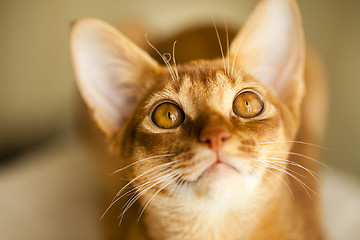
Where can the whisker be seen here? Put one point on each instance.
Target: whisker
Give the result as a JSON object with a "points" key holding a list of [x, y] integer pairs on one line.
{"points": [[278, 163], [312, 173], [133, 199], [158, 168], [304, 186], [219, 40], [174, 61], [299, 142], [261, 166], [117, 198], [141, 185], [237, 50], [148, 171], [234, 58], [141, 160], [147, 185], [142, 211], [166, 61], [138, 195], [295, 154], [227, 47]]}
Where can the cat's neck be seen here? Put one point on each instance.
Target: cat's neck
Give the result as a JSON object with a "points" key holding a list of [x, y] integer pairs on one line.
{"points": [[165, 219]]}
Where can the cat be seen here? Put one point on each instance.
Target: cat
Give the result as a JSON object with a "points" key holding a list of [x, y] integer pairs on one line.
{"points": [[215, 148]]}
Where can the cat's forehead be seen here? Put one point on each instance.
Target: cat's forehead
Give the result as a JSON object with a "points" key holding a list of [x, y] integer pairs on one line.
{"points": [[202, 85], [199, 79]]}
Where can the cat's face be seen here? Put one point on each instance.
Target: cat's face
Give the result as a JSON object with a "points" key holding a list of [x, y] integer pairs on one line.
{"points": [[206, 132], [206, 128]]}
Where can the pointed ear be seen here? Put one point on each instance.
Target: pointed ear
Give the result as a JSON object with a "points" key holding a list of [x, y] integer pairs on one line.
{"points": [[112, 72], [270, 46]]}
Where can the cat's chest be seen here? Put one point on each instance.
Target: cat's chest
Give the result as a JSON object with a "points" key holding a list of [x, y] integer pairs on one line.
{"points": [[198, 222]]}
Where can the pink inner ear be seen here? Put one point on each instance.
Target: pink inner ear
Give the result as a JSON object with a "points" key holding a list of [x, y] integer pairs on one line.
{"points": [[270, 46], [109, 70]]}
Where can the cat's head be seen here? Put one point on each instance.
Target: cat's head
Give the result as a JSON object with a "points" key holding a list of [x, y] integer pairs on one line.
{"points": [[205, 128]]}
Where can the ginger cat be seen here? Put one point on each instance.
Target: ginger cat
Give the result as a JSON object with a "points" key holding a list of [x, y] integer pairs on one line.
{"points": [[212, 148]]}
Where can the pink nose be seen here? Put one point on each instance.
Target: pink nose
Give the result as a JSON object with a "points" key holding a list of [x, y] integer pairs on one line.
{"points": [[214, 136]]}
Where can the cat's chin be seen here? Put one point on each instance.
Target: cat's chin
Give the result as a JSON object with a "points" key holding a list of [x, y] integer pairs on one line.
{"points": [[226, 178], [217, 180]]}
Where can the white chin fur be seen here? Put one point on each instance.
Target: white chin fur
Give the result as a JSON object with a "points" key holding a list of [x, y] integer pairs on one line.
{"points": [[224, 184]]}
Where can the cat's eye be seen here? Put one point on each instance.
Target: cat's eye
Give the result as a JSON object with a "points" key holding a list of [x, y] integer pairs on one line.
{"points": [[167, 115], [248, 104]]}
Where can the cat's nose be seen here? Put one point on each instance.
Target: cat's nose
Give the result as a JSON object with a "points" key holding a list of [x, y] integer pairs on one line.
{"points": [[215, 136]]}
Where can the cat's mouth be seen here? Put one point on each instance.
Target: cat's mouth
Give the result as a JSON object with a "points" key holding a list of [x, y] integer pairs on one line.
{"points": [[219, 168], [212, 167]]}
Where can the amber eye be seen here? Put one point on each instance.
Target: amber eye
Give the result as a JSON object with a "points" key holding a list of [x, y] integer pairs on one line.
{"points": [[167, 115], [248, 105]]}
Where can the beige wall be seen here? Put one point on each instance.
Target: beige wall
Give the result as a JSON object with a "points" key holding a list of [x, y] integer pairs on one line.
{"points": [[37, 86]]}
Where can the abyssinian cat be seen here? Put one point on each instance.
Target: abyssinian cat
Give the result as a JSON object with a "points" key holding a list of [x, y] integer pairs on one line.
{"points": [[213, 149]]}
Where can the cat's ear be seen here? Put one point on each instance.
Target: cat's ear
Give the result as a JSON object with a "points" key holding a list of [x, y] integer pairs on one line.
{"points": [[112, 72], [270, 46]]}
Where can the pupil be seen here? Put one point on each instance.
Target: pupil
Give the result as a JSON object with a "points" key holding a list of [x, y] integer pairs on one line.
{"points": [[169, 115], [247, 104]]}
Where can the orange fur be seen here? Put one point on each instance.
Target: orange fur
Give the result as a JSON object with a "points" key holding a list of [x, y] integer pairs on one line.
{"points": [[181, 194]]}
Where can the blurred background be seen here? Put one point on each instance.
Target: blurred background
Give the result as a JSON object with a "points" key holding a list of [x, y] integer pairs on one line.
{"points": [[38, 96]]}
